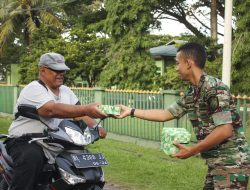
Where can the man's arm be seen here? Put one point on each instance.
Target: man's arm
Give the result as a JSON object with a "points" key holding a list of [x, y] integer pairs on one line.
{"points": [[59, 110], [92, 123], [219, 134]]}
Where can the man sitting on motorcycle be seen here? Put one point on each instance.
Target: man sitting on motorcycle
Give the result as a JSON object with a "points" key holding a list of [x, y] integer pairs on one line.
{"points": [[53, 101]]}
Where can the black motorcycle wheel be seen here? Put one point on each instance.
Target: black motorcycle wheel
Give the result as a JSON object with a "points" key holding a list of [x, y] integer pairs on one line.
{"points": [[3, 184]]}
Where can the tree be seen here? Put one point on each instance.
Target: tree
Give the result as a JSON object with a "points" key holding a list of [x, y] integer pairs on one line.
{"points": [[241, 51], [83, 49], [213, 20], [88, 41], [185, 11], [44, 40], [10, 56], [130, 65], [112, 39], [85, 55], [88, 53], [24, 17], [85, 13], [176, 10]]}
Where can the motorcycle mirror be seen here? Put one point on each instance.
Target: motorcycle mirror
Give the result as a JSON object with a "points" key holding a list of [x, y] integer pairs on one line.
{"points": [[28, 111]]}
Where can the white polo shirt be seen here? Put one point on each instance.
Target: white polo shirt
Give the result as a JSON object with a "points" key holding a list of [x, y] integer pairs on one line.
{"points": [[37, 95]]}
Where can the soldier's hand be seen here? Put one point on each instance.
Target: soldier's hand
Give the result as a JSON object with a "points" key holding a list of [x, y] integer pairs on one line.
{"points": [[184, 151], [125, 111]]}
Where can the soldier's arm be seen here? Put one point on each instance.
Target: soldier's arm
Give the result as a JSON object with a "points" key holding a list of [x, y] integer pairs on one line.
{"points": [[175, 110], [218, 135], [151, 115]]}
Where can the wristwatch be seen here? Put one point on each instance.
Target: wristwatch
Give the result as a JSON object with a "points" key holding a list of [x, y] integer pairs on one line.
{"points": [[132, 112]]}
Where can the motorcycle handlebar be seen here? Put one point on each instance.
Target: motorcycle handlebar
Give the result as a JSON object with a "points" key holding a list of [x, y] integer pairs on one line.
{"points": [[34, 135]]}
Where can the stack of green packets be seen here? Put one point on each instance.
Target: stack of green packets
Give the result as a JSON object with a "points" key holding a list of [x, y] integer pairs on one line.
{"points": [[110, 110], [171, 135]]}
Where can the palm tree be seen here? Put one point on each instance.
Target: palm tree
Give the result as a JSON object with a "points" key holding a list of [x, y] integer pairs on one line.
{"points": [[25, 16]]}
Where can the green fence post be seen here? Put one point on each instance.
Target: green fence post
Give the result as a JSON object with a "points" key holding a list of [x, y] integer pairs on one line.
{"points": [[98, 94], [244, 115], [238, 103], [169, 97], [99, 97], [15, 96]]}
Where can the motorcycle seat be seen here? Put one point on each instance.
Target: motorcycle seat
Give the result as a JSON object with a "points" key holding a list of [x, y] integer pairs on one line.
{"points": [[5, 154]]}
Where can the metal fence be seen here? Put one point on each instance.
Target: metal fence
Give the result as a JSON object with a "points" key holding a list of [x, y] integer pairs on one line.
{"points": [[6, 99], [139, 99], [132, 126]]}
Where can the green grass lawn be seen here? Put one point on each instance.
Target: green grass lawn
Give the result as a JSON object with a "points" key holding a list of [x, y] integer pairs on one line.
{"points": [[136, 167], [4, 124]]}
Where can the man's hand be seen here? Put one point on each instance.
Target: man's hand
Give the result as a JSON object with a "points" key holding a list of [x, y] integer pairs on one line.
{"points": [[184, 152], [102, 132], [93, 111]]}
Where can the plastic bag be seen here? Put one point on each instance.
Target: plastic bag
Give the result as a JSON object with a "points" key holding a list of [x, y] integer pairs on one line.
{"points": [[110, 110], [171, 135]]}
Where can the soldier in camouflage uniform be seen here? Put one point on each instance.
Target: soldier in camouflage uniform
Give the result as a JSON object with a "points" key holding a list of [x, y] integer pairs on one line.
{"points": [[217, 125]]}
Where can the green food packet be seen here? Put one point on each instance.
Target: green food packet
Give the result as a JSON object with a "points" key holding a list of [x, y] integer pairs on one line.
{"points": [[171, 135], [110, 110]]}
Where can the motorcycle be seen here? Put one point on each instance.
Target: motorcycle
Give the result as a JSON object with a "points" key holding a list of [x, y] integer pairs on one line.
{"points": [[74, 167]]}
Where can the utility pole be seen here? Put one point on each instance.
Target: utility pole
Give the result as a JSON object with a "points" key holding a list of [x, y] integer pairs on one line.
{"points": [[227, 47]]}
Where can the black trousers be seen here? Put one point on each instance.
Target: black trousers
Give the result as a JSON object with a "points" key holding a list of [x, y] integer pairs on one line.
{"points": [[28, 159]]}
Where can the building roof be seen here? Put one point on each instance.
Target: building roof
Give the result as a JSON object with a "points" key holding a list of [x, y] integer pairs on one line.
{"points": [[168, 50]]}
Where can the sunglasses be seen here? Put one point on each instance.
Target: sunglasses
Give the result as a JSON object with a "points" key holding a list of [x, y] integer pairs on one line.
{"points": [[57, 71]]}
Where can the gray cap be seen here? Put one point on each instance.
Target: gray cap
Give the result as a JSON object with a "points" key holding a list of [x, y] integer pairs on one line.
{"points": [[54, 61]]}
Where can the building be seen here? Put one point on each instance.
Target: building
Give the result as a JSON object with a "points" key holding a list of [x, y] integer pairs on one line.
{"points": [[165, 55]]}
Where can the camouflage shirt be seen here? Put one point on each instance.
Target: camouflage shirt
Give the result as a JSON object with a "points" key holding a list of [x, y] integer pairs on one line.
{"points": [[209, 105]]}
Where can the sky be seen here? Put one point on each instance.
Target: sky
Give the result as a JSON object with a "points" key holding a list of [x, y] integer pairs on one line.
{"points": [[171, 27], [174, 28]]}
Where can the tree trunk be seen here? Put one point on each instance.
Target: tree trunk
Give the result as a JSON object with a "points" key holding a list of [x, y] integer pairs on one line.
{"points": [[214, 20]]}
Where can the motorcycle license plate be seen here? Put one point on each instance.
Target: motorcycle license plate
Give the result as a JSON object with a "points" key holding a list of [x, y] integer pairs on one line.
{"points": [[87, 160]]}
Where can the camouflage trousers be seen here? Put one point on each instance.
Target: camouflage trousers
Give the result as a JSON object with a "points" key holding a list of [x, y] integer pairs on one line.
{"points": [[227, 178]]}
